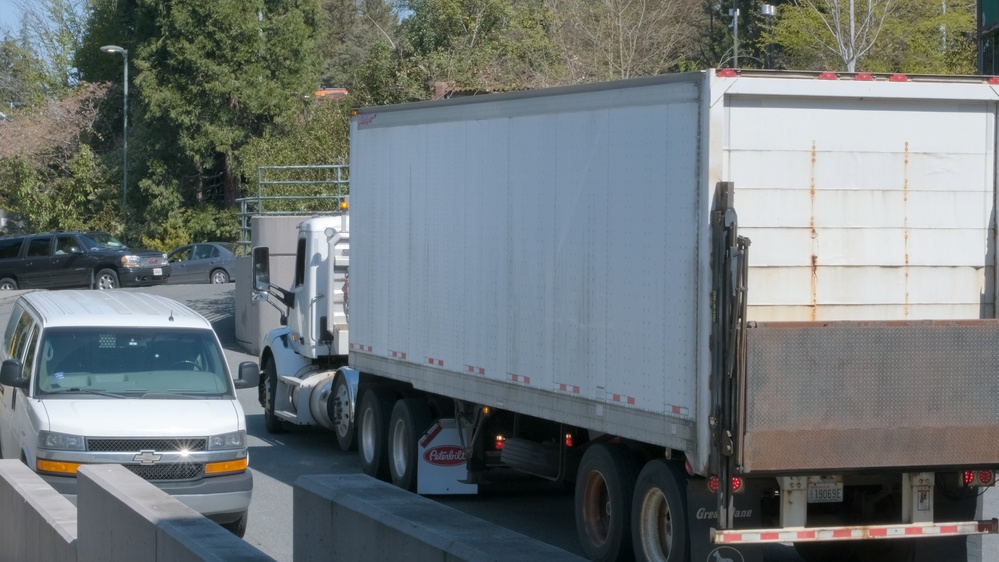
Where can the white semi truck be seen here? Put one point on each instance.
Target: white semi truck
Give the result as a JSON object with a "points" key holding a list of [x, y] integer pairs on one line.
{"points": [[734, 308]]}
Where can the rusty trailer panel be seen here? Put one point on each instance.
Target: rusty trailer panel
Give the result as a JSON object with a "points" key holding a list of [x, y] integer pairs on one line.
{"points": [[833, 396]]}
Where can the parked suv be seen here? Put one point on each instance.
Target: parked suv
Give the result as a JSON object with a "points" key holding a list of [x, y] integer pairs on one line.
{"points": [[59, 260], [127, 378]]}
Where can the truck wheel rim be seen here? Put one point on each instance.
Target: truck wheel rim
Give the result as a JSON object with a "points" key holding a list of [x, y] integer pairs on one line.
{"points": [[400, 447], [656, 526], [596, 509], [341, 405]]}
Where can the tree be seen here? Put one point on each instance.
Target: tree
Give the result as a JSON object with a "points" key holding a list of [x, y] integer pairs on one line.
{"points": [[615, 39], [916, 36], [362, 50], [480, 44], [833, 29], [53, 179], [22, 83], [54, 30], [224, 72]]}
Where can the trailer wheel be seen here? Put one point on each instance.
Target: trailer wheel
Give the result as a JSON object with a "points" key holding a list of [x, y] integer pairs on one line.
{"points": [[271, 421], [339, 412], [372, 438], [659, 513], [410, 418], [604, 486]]}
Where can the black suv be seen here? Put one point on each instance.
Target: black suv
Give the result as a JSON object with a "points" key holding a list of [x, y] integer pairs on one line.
{"points": [[77, 259]]}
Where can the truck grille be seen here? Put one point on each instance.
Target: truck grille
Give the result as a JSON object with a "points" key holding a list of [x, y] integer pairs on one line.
{"points": [[159, 445], [167, 471]]}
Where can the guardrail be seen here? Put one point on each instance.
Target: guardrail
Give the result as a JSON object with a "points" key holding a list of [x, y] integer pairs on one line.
{"points": [[294, 190]]}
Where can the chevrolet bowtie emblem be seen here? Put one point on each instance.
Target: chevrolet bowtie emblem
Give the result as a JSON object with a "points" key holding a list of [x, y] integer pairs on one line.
{"points": [[147, 457]]}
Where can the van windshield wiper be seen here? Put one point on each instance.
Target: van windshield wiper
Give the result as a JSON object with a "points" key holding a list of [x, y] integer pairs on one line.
{"points": [[76, 390]]}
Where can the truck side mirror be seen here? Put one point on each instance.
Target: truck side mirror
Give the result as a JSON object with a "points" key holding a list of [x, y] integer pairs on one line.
{"points": [[260, 269], [10, 374], [249, 375]]}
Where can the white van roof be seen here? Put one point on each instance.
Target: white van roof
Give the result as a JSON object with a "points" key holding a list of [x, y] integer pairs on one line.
{"points": [[111, 308]]}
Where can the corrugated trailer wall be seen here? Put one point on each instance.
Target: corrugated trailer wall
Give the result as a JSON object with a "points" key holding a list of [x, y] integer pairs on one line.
{"points": [[515, 248], [874, 204]]}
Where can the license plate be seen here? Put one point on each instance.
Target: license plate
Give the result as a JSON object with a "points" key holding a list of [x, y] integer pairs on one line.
{"points": [[825, 492], [157, 271]]}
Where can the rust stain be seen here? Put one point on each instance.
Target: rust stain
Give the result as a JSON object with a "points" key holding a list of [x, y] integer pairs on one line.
{"points": [[814, 234], [905, 225]]}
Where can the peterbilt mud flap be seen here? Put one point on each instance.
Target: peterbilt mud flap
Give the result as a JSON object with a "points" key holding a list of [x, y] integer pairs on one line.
{"points": [[442, 461]]}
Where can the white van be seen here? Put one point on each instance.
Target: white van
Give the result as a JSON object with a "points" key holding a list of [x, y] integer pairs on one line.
{"points": [[127, 378]]}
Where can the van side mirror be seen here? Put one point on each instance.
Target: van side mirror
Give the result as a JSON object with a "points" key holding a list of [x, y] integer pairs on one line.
{"points": [[249, 375], [10, 374], [260, 270]]}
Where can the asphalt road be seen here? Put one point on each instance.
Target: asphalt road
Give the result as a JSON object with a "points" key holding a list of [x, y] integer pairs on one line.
{"points": [[538, 509]]}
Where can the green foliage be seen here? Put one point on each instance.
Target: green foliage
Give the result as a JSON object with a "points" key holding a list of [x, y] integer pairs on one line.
{"points": [[202, 223], [22, 82], [79, 200], [480, 44], [912, 39]]}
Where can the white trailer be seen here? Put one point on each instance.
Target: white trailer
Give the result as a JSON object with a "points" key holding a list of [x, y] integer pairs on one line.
{"points": [[568, 274]]}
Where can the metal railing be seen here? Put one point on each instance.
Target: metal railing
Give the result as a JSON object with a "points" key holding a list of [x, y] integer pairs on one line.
{"points": [[294, 190]]}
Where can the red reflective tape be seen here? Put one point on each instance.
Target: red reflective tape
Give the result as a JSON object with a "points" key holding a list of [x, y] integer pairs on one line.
{"points": [[769, 536], [842, 533], [806, 534], [879, 532], [948, 529], [913, 530], [732, 538]]}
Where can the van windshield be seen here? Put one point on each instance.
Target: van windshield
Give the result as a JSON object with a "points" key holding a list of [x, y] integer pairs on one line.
{"points": [[131, 362]]}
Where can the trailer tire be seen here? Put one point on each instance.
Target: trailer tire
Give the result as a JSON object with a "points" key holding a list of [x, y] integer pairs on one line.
{"points": [[410, 418], [659, 514], [372, 432], [605, 484], [271, 421], [339, 413]]}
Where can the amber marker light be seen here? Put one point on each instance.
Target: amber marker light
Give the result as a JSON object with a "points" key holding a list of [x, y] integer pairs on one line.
{"points": [[57, 466], [237, 465]]}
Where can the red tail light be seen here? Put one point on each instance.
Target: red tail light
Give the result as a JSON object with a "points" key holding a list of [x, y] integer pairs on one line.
{"points": [[499, 442], [737, 484], [568, 440], [978, 478]]}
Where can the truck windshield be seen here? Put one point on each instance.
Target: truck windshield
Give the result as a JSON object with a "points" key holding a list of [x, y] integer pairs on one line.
{"points": [[130, 362]]}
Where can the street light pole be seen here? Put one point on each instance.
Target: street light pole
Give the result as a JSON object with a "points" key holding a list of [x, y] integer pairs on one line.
{"points": [[124, 133], [734, 12]]}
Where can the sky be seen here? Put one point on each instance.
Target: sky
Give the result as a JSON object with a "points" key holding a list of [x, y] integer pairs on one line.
{"points": [[10, 16]]}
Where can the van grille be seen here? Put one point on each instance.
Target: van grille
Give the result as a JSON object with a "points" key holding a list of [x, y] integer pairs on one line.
{"points": [[159, 445], [167, 471]]}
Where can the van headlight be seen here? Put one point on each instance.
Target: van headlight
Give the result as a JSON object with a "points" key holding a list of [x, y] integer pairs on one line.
{"points": [[61, 441], [234, 440]]}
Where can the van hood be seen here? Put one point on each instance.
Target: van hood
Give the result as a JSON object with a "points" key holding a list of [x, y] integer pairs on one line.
{"points": [[133, 417]]}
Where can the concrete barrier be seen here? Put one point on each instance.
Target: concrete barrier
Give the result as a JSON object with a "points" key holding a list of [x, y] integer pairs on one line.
{"points": [[356, 517], [121, 517], [36, 522]]}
